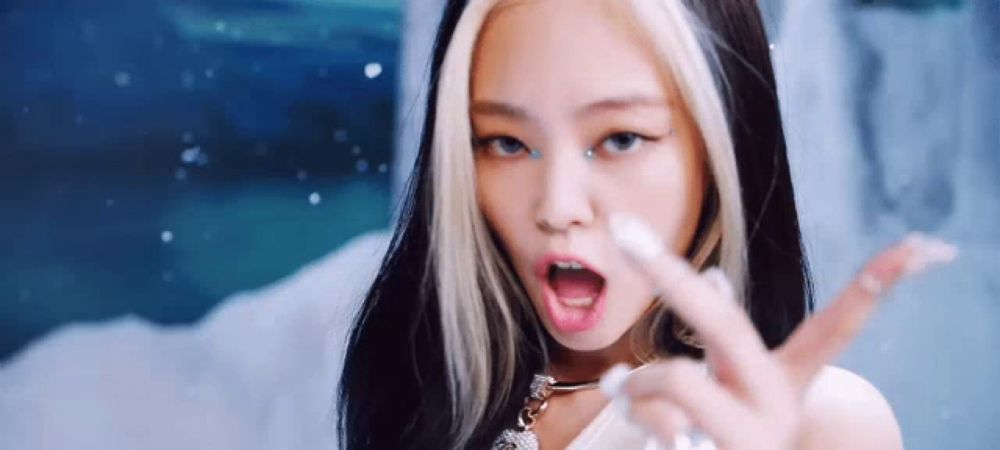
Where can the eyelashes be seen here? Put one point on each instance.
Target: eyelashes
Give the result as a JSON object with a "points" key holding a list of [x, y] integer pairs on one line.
{"points": [[503, 146], [630, 142], [614, 144]]}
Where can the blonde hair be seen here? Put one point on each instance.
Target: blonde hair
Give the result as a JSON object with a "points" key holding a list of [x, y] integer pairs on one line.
{"points": [[471, 274]]}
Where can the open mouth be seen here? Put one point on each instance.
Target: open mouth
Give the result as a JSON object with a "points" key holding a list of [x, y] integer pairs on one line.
{"points": [[572, 292], [573, 284]]}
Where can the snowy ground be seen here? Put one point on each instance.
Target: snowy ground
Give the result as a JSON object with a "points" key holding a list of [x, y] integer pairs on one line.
{"points": [[258, 373]]}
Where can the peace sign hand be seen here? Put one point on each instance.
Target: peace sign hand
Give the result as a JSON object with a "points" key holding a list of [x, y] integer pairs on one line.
{"points": [[754, 400]]}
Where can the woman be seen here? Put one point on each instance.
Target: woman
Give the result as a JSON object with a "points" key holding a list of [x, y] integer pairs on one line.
{"points": [[605, 182]]}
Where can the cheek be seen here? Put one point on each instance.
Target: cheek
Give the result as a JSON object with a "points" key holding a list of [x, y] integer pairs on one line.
{"points": [[667, 190], [631, 292], [504, 207]]}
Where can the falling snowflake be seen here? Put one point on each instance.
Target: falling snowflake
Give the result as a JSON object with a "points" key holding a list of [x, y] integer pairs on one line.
{"points": [[123, 79], [191, 155], [373, 70], [167, 236], [314, 198]]}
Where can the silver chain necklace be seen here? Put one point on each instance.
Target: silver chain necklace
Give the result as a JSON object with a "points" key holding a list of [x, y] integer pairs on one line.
{"points": [[543, 386], [521, 437]]}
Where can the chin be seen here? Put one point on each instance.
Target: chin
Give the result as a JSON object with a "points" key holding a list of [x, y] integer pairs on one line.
{"points": [[585, 341]]}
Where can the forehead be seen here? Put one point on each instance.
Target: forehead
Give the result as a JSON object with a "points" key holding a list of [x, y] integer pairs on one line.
{"points": [[565, 52]]}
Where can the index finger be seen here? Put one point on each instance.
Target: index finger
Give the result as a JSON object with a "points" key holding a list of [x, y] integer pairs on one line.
{"points": [[821, 338]]}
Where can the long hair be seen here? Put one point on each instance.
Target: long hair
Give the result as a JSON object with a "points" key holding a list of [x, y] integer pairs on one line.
{"points": [[446, 341]]}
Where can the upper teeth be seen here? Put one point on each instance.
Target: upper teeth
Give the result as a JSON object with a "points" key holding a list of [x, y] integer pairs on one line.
{"points": [[578, 302], [568, 265]]}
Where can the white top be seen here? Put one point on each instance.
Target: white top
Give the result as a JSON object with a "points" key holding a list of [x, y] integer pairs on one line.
{"points": [[611, 430]]}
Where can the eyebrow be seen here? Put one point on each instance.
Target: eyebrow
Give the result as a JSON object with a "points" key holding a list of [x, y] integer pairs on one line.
{"points": [[494, 108]]}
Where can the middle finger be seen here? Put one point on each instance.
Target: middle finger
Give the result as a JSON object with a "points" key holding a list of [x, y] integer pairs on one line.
{"points": [[717, 318]]}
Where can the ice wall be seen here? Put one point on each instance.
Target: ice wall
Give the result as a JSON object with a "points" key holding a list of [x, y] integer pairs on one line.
{"points": [[894, 125]]}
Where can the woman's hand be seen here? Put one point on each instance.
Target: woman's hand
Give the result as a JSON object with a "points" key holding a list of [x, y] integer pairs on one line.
{"points": [[754, 400]]}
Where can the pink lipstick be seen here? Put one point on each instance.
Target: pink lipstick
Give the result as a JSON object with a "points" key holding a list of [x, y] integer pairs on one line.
{"points": [[573, 292]]}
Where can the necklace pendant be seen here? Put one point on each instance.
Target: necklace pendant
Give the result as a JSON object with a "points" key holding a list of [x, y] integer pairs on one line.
{"points": [[521, 437], [512, 439]]}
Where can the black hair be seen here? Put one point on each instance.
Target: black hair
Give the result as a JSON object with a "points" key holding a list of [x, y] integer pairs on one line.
{"points": [[393, 391]]}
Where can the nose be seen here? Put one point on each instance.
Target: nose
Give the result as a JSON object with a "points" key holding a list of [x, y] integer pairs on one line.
{"points": [[565, 201]]}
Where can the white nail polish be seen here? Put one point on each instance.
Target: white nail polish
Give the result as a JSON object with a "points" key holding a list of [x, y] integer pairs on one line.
{"points": [[681, 442], [635, 237], [613, 380], [927, 252], [612, 384]]}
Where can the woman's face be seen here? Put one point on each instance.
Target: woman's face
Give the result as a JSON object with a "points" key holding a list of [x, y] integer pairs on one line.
{"points": [[561, 77]]}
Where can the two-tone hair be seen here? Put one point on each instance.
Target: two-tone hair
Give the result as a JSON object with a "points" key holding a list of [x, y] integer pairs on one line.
{"points": [[446, 340]]}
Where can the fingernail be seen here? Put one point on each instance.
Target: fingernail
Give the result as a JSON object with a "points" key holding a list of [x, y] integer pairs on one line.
{"points": [[927, 252], [613, 380], [720, 280], [681, 442], [612, 384], [636, 238]]}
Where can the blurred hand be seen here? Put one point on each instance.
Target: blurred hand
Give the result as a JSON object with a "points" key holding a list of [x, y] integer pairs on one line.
{"points": [[754, 400]]}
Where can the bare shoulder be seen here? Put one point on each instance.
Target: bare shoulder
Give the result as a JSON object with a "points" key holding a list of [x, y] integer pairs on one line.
{"points": [[843, 410]]}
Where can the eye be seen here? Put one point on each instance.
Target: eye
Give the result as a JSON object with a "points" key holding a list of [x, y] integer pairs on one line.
{"points": [[503, 146], [623, 142]]}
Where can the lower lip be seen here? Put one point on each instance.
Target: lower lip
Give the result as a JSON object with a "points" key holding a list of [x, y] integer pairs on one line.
{"points": [[572, 319]]}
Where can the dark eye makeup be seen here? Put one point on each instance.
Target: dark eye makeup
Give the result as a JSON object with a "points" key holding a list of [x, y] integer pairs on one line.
{"points": [[613, 144]]}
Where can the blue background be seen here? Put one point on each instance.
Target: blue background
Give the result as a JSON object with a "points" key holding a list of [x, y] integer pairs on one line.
{"points": [[99, 101]]}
